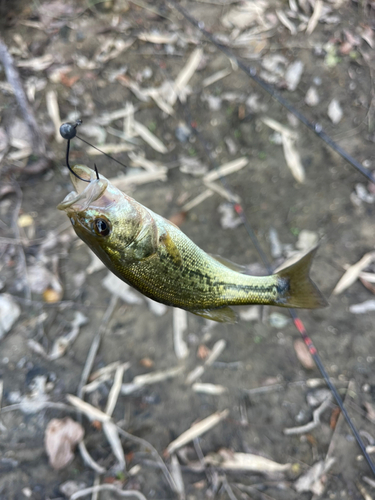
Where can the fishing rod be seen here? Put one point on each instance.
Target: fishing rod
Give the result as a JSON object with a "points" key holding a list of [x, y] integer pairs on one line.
{"points": [[251, 71], [317, 128]]}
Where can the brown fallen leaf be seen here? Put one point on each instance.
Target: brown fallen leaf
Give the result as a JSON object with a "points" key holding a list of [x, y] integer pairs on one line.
{"points": [[178, 219], [60, 438], [303, 355]]}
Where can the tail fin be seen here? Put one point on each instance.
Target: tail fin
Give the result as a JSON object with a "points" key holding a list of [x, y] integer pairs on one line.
{"points": [[302, 292]]}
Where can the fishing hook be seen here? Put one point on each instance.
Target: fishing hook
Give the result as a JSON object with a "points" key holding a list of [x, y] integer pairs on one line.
{"points": [[68, 131]]}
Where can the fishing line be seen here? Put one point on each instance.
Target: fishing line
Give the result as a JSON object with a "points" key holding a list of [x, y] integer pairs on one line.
{"points": [[68, 131], [252, 73]]}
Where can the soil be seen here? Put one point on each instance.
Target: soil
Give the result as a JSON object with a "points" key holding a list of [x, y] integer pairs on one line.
{"points": [[256, 353]]}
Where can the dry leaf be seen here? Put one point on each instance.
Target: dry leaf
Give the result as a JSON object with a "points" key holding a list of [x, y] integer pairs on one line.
{"points": [[60, 439], [227, 460], [303, 354], [351, 274], [312, 479]]}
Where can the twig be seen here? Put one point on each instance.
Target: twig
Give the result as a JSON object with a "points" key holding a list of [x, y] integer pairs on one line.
{"points": [[154, 453], [16, 231], [13, 78], [315, 422], [107, 487], [95, 345], [86, 457]]}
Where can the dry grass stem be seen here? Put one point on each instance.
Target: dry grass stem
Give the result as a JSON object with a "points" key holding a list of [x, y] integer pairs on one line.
{"points": [[158, 376], [213, 389], [185, 75], [107, 487], [223, 192], [149, 137], [88, 460], [138, 160], [177, 476], [197, 200], [226, 169], [110, 149], [216, 77], [286, 22], [90, 411], [116, 388], [179, 327], [54, 113], [245, 461], [197, 430], [314, 19], [111, 433], [124, 182], [106, 370]]}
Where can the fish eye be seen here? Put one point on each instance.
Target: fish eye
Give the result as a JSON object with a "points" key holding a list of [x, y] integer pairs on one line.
{"points": [[102, 227]]}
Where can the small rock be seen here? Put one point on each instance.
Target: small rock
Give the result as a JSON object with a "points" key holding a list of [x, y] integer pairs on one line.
{"points": [[317, 397], [70, 487], [228, 219], [231, 145], [334, 111], [293, 74], [276, 247], [214, 102], [278, 320], [312, 97], [182, 132], [9, 313], [307, 239]]}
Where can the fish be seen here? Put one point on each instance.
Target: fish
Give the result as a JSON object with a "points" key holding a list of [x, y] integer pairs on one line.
{"points": [[155, 257]]}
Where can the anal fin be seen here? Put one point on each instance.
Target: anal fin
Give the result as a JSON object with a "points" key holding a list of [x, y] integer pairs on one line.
{"points": [[222, 315]]}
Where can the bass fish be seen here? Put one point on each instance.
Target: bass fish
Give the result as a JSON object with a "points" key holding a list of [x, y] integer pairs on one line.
{"points": [[152, 255]]}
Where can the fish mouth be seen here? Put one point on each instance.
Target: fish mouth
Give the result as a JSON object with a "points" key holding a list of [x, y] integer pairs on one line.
{"points": [[86, 193]]}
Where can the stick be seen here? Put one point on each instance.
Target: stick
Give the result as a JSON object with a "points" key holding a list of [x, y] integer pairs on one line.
{"points": [[13, 78]]}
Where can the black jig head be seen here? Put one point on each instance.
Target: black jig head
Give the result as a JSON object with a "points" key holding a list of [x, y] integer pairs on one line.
{"points": [[68, 131]]}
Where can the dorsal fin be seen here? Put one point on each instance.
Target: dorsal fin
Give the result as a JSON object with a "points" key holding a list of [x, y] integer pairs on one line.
{"points": [[228, 263]]}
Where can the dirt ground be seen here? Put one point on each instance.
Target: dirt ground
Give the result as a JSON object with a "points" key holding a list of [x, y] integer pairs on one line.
{"points": [[70, 48]]}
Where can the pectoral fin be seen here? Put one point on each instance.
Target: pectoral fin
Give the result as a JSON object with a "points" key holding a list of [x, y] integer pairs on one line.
{"points": [[222, 315], [171, 248]]}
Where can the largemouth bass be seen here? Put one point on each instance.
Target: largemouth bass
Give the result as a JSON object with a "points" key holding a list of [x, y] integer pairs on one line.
{"points": [[154, 256]]}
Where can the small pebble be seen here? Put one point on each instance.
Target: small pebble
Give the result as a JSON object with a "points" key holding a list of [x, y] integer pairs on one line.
{"points": [[293, 75], [312, 97], [278, 320], [182, 133], [335, 112]]}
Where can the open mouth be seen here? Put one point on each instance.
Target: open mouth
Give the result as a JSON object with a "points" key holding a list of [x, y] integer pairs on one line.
{"points": [[85, 192]]}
